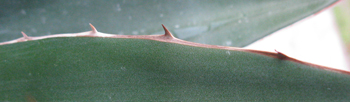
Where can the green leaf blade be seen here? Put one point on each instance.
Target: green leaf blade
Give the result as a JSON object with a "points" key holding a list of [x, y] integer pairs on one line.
{"points": [[110, 69]]}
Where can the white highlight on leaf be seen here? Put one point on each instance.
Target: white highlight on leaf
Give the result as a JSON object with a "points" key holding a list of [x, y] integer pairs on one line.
{"points": [[135, 32], [123, 68], [228, 52], [228, 42], [118, 8], [177, 26], [23, 12]]}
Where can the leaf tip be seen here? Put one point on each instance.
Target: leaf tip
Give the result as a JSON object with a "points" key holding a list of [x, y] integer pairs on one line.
{"points": [[167, 32], [93, 29]]}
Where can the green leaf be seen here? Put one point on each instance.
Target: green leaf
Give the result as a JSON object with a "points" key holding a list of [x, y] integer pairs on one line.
{"points": [[223, 22], [120, 69]]}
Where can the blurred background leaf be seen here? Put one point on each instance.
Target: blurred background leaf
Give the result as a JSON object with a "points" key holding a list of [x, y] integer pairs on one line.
{"points": [[224, 22]]}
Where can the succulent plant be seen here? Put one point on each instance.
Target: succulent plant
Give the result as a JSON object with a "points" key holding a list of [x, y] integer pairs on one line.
{"points": [[95, 66]]}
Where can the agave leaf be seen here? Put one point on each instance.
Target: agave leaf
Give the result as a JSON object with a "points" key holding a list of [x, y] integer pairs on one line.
{"points": [[223, 22], [101, 67]]}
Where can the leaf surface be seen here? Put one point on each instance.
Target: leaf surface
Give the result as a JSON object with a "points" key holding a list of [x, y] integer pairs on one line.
{"points": [[121, 69]]}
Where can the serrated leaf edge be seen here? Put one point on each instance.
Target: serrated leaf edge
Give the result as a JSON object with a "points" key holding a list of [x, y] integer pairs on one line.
{"points": [[169, 38]]}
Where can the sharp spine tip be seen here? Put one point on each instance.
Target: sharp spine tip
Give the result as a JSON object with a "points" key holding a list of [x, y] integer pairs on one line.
{"points": [[25, 36], [93, 31], [167, 32], [281, 55]]}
